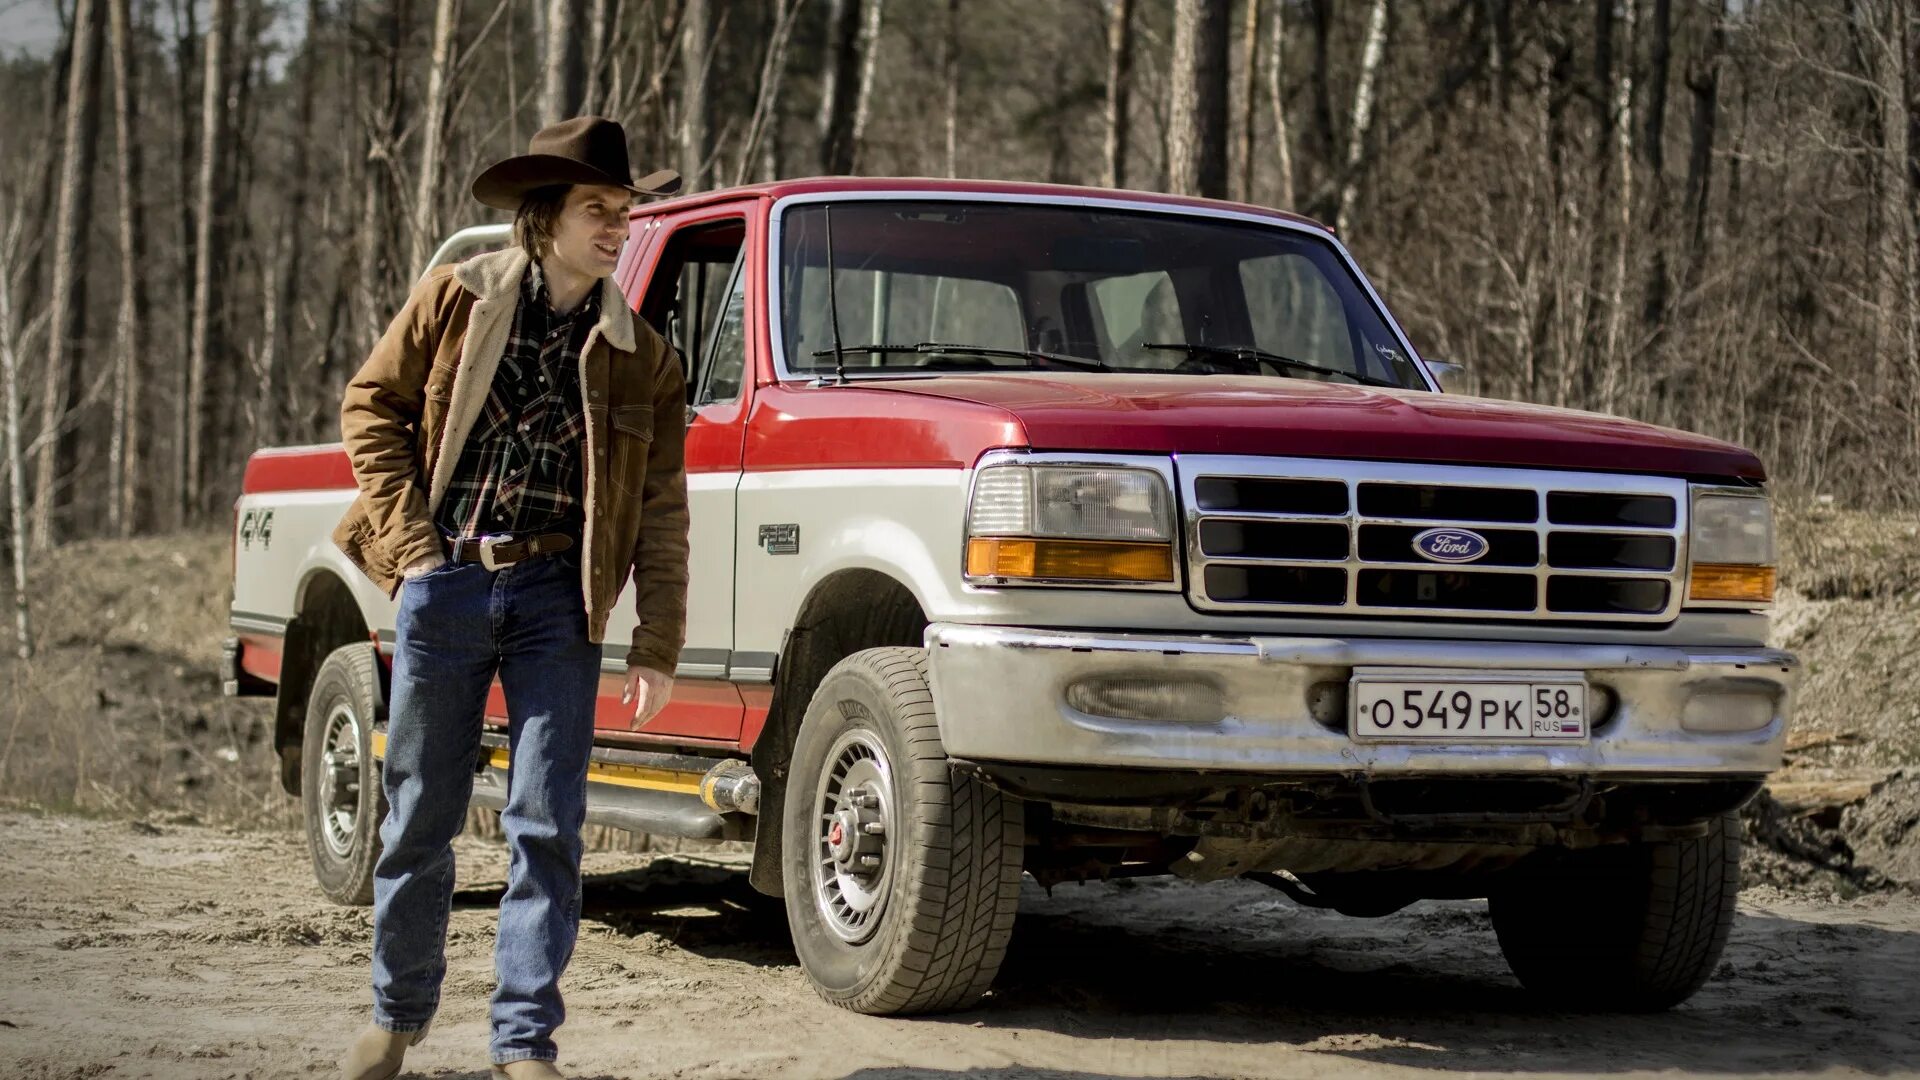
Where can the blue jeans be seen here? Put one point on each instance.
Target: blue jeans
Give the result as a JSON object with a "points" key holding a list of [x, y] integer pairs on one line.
{"points": [[457, 624]]}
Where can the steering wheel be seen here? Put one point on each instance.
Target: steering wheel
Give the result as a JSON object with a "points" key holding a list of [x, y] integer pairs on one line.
{"points": [[1216, 364]]}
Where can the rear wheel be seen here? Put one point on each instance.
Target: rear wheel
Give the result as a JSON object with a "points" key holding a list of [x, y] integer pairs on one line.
{"points": [[340, 783], [1629, 927], [901, 877]]}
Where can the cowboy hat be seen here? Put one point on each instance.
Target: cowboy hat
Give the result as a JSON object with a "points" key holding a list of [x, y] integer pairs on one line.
{"points": [[583, 150]]}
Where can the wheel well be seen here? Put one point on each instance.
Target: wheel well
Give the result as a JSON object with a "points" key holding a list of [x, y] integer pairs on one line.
{"points": [[846, 612], [325, 618]]}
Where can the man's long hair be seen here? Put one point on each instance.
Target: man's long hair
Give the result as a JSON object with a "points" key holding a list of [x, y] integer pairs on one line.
{"points": [[533, 224]]}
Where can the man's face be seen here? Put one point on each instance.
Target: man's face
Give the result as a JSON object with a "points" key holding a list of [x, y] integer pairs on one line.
{"points": [[591, 228]]}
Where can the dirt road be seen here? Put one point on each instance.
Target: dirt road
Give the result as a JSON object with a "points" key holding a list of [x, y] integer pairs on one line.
{"points": [[134, 950]]}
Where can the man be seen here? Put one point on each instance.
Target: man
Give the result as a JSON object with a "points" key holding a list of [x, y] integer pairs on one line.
{"points": [[517, 438]]}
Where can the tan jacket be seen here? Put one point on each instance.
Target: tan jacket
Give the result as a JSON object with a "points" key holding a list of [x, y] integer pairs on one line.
{"points": [[408, 411]]}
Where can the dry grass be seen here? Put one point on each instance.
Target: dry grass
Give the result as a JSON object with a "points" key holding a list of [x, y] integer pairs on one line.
{"points": [[120, 710]]}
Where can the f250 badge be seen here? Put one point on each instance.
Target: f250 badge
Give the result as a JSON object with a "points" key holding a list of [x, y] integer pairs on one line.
{"points": [[256, 524], [1451, 545]]}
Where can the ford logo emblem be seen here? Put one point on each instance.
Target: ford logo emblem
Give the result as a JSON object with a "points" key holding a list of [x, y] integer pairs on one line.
{"points": [[1451, 545]]}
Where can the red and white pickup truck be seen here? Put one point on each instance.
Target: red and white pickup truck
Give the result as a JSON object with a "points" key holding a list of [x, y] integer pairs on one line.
{"points": [[1082, 534]]}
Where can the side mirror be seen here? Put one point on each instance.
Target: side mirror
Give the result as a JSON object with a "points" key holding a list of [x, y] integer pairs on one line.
{"points": [[1451, 377]]}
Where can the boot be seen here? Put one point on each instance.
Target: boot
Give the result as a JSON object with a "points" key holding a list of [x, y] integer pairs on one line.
{"points": [[376, 1053], [529, 1069]]}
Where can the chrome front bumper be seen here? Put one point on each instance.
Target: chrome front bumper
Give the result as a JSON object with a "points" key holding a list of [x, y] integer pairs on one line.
{"points": [[1278, 704]]}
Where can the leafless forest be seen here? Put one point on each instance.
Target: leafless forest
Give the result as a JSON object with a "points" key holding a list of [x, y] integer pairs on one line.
{"points": [[1697, 212]]}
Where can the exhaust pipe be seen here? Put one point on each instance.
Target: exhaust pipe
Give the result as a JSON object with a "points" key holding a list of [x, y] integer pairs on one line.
{"points": [[731, 787]]}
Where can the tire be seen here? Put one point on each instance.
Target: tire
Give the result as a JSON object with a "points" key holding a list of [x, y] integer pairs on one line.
{"points": [[940, 883], [1624, 928], [340, 791]]}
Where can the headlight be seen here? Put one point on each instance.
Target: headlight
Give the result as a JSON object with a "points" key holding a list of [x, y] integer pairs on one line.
{"points": [[1732, 545], [1068, 523]]}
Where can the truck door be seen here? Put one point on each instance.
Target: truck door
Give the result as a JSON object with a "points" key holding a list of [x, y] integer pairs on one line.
{"points": [[694, 294]]}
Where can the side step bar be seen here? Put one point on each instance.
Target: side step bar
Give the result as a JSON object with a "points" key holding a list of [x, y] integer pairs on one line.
{"points": [[699, 798]]}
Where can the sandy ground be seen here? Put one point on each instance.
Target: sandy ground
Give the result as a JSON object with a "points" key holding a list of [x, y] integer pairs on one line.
{"points": [[139, 950]]}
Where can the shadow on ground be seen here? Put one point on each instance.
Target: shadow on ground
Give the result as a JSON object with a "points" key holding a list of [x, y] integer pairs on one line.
{"points": [[1425, 988]]}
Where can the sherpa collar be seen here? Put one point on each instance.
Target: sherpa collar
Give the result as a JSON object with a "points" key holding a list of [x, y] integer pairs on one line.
{"points": [[498, 274]]}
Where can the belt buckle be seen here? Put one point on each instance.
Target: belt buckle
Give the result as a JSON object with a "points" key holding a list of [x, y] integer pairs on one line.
{"points": [[487, 546]]}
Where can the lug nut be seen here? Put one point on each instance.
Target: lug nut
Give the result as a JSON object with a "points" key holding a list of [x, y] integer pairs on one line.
{"points": [[870, 862], [875, 828]]}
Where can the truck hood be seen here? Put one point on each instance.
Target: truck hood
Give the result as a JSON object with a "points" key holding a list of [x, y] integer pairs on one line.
{"points": [[1269, 416]]}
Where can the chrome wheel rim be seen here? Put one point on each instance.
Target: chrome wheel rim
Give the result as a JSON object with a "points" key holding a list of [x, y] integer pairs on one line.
{"points": [[340, 780], [852, 864]]}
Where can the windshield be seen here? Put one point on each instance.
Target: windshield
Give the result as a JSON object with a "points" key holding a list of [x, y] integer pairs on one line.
{"points": [[926, 286]]}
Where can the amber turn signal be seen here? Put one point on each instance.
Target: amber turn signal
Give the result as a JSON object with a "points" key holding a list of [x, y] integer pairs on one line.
{"points": [[1068, 560], [1721, 581]]}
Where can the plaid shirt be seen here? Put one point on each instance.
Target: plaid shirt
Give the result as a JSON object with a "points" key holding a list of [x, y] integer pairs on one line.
{"points": [[521, 469]]}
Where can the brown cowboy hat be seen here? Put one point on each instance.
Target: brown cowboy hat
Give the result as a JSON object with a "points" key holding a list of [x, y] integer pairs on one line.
{"points": [[583, 150]]}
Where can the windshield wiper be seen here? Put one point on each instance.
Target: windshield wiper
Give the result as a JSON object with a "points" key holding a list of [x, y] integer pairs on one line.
{"points": [[975, 350], [1251, 358]]}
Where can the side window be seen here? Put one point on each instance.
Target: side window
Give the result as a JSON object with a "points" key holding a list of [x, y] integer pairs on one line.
{"points": [[683, 299], [726, 360]]}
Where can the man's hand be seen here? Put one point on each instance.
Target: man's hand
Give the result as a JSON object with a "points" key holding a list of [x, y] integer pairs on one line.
{"points": [[648, 690], [423, 564]]}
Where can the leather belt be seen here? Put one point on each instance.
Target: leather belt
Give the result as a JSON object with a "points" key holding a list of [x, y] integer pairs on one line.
{"points": [[494, 552]]}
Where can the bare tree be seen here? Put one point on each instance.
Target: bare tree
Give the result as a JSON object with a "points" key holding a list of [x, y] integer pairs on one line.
{"points": [[696, 52], [950, 82], [1276, 93], [1370, 52], [129, 381], [185, 33], [15, 340], [212, 109], [67, 320], [426, 219], [766, 104], [1249, 70], [1197, 123], [1119, 90], [563, 84], [839, 87], [869, 64]]}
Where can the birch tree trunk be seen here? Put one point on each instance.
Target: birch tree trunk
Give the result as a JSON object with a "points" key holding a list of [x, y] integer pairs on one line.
{"points": [[129, 383], [11, 346], [696, 52], [67, 321], [1197, 120], [1249, 69], [950, 81], [212, 108], [1370, 52], [1276, 92], [869, 63], [426, 218], [1119, 89]]}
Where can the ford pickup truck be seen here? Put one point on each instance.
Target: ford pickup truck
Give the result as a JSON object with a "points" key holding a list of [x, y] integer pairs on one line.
{"points": [[1085, 534]]}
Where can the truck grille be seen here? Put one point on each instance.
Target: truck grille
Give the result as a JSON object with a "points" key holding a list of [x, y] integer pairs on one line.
{"points": [[1307, 536]]}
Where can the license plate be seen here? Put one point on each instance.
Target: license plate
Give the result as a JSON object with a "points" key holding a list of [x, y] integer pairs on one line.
{"points": [[1403, 709]]}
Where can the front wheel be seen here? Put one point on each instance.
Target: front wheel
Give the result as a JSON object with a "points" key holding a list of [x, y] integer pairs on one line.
{"points": [[1622, 928], [901, 877], [340, 782]]}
